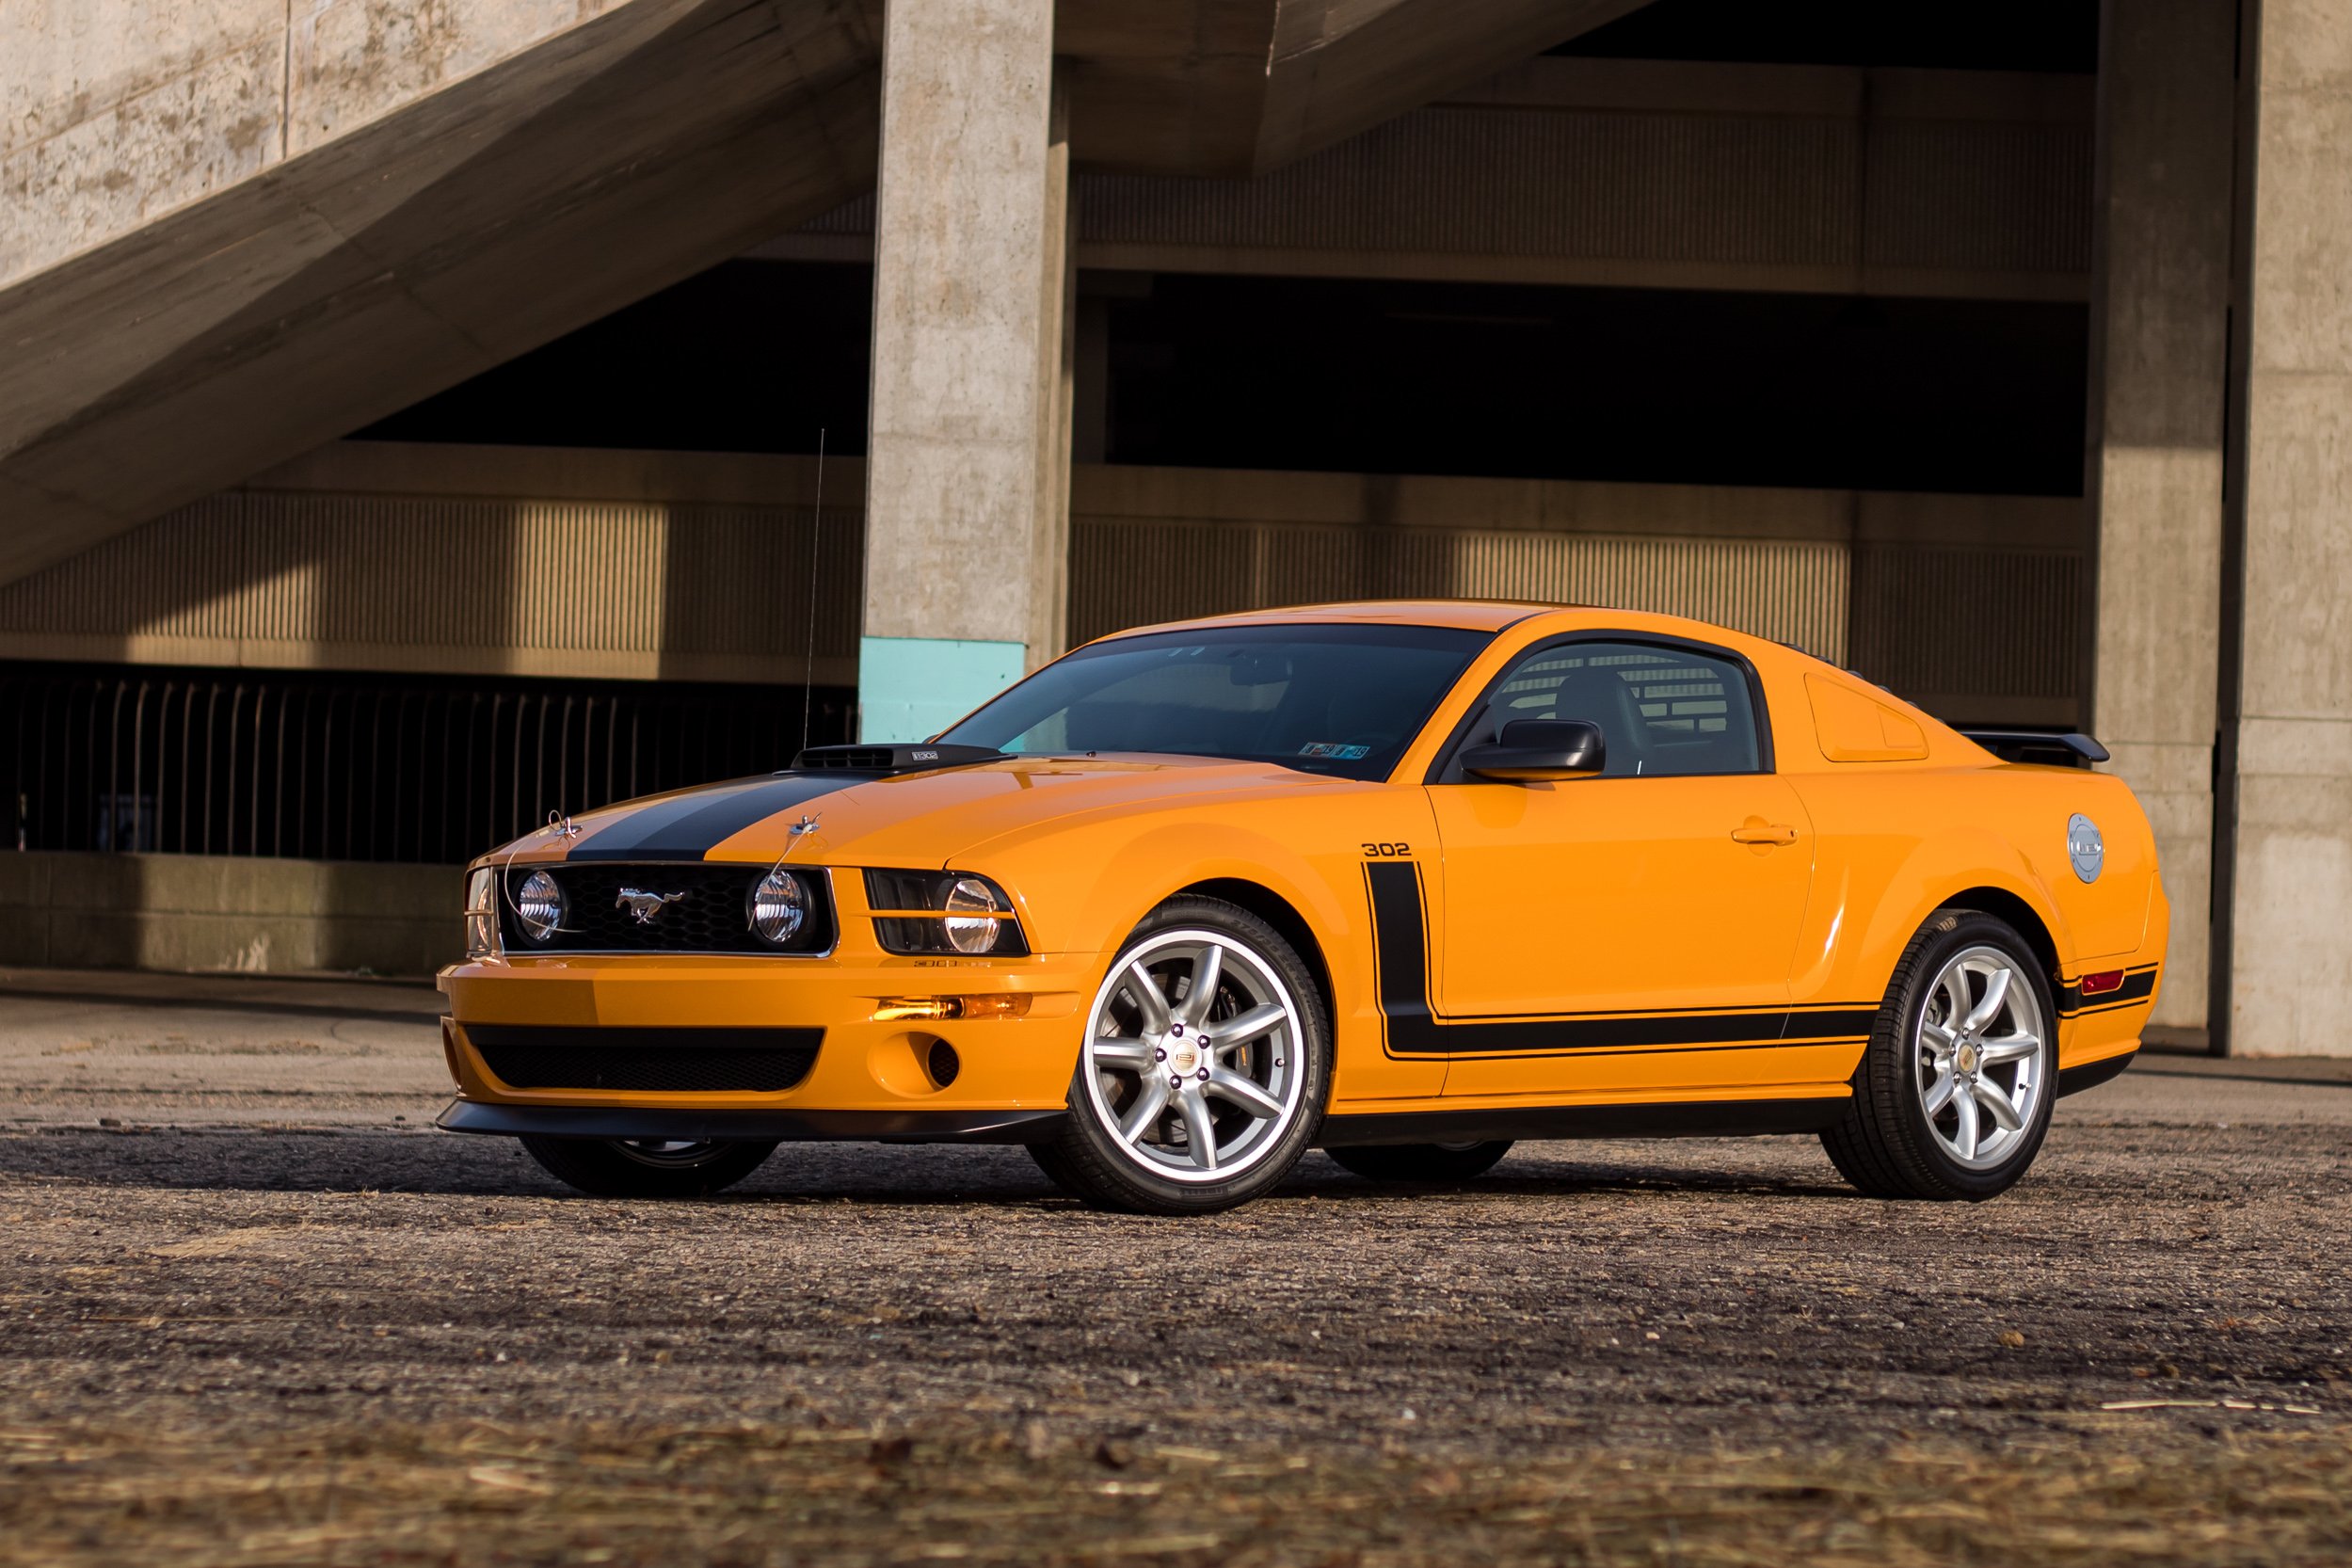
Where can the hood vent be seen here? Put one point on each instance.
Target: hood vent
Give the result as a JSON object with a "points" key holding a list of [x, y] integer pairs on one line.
{"points": [[910, 758]]}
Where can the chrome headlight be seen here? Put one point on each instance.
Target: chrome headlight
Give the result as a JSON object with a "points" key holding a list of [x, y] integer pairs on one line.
{"points": [[972, 908], [539, 905], [779, 908], [943, 912], [482, 915]]}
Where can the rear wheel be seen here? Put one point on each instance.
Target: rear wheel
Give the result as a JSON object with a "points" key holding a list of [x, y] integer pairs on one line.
{"points": [[647, 1168], [1427, 1162], [1953, 1096], [1203, 1069]]}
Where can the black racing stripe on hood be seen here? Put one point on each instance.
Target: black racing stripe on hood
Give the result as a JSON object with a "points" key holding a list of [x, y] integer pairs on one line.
{"points": [[690, 827]]}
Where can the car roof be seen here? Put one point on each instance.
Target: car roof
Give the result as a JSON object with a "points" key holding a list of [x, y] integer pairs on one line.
{"points": [[1474, 615], [1471, 615]]}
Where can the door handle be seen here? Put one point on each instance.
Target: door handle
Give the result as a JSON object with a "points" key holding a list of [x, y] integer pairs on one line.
{"points": [[1755, 830]]}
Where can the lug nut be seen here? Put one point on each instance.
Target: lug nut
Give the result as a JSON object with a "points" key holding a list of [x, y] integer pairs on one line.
{"points": [[1203, 1075], [1160, 1053]]}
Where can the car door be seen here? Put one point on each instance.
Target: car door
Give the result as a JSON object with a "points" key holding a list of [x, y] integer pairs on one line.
{"points": [[1628, 931]]}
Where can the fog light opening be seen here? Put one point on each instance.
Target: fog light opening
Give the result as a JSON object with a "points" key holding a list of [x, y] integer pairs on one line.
{"points": [[942, 1063], [896, 1009]]}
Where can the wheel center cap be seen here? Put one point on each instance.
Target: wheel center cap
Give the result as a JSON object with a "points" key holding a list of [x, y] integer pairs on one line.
{"points": [[1183, 1056], [1968, 1058]]}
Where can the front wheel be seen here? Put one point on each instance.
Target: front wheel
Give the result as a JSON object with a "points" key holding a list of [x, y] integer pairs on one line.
{"points": [[647, 1168], [1953, 1095], [1203, 1069], [1422, 1163]]}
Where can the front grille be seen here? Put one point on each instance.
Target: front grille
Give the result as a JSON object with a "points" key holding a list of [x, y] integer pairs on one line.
{"points": [[653, 1061], [714, 916]]}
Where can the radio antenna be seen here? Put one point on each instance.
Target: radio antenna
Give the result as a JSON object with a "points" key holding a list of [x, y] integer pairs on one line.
{"points": [[816, 532]]}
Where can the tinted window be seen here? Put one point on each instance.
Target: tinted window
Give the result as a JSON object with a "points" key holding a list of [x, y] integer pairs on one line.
{"points": [[1336, 699], [1662, 711]]}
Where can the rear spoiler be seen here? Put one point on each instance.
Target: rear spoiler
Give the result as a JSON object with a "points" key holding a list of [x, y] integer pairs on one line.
{"points": [[2073, 749]]}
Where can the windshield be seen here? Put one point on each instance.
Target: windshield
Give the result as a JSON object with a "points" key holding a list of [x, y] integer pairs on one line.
{"points": [[1343, 700]]}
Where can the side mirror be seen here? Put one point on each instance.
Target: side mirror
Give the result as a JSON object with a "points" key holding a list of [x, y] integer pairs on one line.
{"points": [[1537, 751]]}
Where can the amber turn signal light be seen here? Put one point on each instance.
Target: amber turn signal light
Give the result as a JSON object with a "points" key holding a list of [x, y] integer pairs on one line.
{"points": [[891, 1010]]}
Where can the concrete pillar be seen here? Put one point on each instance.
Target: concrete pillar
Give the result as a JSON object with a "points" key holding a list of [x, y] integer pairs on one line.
{"points": [[969, 460], [2168, 98], [2287, 715]]}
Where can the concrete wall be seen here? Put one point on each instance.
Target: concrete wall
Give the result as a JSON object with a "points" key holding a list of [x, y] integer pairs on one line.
{"points": [[211, 912], [2160, 334], [2288, 714], [115, 112]]}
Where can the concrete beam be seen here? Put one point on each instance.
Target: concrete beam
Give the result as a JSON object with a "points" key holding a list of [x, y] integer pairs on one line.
{"points": [[969, 444], [400, 243], [235, 229]]}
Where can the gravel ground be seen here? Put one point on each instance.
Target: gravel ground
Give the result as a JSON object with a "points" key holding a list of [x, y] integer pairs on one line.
{"points": [[264, 1315]]}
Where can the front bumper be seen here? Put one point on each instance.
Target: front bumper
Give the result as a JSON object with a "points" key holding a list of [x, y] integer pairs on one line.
{"points": [[870, 1078]]}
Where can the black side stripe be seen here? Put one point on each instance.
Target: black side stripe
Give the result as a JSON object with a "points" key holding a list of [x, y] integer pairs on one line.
{"points": [[1401, 950], [2138, 986], [691, 825]]}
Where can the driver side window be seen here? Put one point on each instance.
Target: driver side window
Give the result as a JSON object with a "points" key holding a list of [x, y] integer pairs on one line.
{"points": [[1663, 712]]}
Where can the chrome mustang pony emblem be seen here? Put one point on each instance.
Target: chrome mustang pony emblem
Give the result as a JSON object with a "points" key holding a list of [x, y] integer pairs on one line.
{"points": [[643, 905]]}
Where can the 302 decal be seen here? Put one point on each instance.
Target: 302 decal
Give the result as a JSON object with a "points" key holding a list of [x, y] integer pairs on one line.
{"points": [[1388, 852]]}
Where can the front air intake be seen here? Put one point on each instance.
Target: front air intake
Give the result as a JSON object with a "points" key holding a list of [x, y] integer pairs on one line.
{"points": [[647, 1061], [913, 757]]}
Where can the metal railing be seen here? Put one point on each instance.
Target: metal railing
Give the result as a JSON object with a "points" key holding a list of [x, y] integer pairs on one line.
{"points": [[340, 767]]}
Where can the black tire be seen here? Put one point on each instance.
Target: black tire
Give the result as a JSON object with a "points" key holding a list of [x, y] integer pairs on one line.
{"points": [[611, 1168], [1086, 1160], [1886, 1144], [1422, 1163]]}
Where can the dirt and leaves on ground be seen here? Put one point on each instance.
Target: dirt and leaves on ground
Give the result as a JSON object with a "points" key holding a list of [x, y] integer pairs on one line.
{"points": [[482, 1492], [255, 1345]]}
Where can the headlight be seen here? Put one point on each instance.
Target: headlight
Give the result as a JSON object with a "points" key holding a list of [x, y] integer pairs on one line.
{"points": [[539, 905], [482, 915], [971, 923], [779, 908], [918, 912]]}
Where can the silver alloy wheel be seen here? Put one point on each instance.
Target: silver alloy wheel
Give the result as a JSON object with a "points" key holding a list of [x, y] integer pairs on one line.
{"points": [[1981, 1063], [1192, 1056], [665, 1154]]}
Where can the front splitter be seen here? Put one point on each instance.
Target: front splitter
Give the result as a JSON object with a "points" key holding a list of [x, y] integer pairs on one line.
{"points": [[669, 1125]]}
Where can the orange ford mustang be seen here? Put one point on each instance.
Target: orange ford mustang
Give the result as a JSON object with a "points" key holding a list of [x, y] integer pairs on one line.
{"points": [[1403, 880]]}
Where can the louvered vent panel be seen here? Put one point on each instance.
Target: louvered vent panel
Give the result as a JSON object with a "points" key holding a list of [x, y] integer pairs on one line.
{"points": [[1793, 591], [1937, 620], [460, 574]]}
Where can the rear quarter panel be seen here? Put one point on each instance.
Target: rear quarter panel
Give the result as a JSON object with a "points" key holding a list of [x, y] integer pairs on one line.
{"points": [[1894, 840]]}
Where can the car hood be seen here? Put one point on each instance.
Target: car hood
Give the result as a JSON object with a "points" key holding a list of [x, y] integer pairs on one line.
{"points": [[913, 819]]}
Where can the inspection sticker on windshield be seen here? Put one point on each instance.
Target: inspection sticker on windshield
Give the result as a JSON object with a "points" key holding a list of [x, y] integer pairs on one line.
{"points": [[1327, 748]]}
